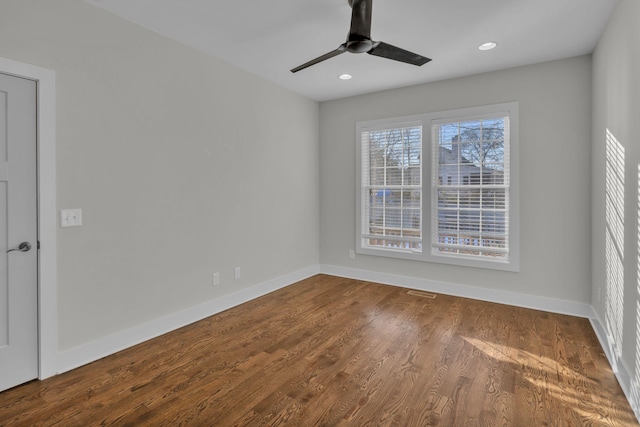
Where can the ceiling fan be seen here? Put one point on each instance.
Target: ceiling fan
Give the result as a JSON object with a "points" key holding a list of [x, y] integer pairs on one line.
{"points": [[359, 40]]}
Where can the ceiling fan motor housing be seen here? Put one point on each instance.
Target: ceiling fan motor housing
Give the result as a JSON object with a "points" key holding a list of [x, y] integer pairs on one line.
{"points": [[359, 46]]}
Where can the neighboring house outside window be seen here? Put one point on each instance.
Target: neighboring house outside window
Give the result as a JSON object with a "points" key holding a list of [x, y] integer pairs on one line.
{"points": [[441, 187]]}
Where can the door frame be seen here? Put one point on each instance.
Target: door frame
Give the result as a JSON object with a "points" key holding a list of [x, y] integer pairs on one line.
{"points": [[47, 216]]}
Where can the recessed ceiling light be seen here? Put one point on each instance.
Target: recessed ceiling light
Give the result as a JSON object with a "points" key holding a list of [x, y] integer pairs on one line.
{"points": [[345, 76], [487, 45]]}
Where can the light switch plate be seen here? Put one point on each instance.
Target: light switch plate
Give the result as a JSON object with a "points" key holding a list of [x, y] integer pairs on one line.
{"points": [[70, 217]]}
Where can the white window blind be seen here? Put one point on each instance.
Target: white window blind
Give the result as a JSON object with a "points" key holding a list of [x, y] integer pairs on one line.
{"points": [[391, 191], [470, 198]]}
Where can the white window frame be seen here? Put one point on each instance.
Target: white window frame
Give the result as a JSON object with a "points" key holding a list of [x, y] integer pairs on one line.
{"points": [[361, 248], [429, 184]]}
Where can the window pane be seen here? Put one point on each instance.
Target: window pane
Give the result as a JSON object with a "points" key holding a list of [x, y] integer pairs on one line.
{"points": [[447, 198], [447, 220], [377, 158], [470, 198], [472, 183], [494, 198], [411, 222], [470, 131], [469, 221], [412, 175], [493, 174], [377, 176], [392, 217], [496, 242], [494, 151], [394, 187], [376, 219], [394, 176], [470, 155], [493, 222]]}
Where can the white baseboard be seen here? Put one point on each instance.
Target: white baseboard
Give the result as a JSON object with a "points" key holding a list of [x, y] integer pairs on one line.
{"points": [[618, 365], [606, 341], [552, 305], [94, 350]]}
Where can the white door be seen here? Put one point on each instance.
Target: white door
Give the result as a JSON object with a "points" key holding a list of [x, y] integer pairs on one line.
{"points": [[18, 232]]}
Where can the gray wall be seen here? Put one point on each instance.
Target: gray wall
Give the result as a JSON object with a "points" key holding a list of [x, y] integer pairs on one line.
{"points": [[182, 164], [616, 108], [555, 134]]}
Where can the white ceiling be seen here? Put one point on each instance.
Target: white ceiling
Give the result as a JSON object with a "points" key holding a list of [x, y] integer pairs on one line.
{"points": [[268, 38]]}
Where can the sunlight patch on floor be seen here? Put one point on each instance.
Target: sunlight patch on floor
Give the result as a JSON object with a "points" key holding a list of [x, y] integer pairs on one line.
{"points": [[524, 358]]}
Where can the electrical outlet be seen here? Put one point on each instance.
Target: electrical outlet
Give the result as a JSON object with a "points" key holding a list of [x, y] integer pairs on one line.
{"points": [[216, 279], [70, 217], [236, 273], [352, 254]]}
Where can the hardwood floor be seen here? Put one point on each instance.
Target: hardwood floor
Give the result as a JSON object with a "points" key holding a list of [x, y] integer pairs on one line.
{"points": [[337, 352]]}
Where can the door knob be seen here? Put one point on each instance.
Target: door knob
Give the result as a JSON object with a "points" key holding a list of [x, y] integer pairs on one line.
{"points": [[22, 247]]}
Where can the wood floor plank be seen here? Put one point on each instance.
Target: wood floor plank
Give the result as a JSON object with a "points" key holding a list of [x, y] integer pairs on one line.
{"points": [[331, 351]]}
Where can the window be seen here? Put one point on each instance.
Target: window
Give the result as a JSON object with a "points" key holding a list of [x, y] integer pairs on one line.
{"points": [[465, 213], [392, 187], [470, 211]]}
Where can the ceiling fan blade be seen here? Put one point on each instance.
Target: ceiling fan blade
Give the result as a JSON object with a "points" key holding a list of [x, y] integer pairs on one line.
{"points": [[360, 20], [388, 51], [341, 49]]}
